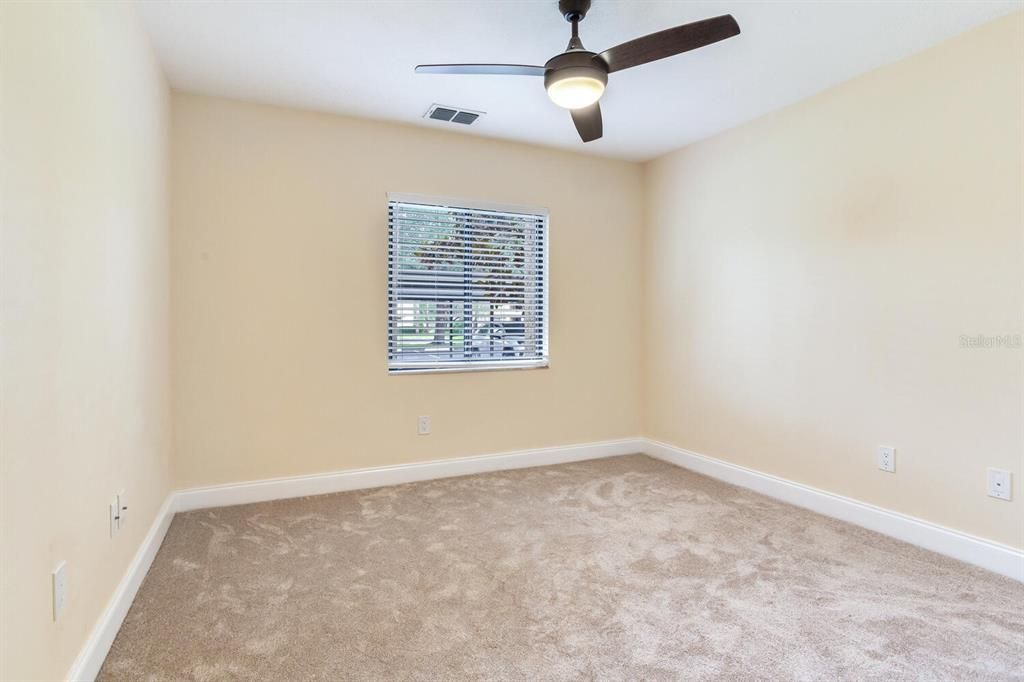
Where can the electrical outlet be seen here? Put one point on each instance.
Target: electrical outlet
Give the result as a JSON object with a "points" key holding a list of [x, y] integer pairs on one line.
{"points": [[999, 484], [423, 426], [60, 588], [122, 510], [115, 516], [887, 458]]}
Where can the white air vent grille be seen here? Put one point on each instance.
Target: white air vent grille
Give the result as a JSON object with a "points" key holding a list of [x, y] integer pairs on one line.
{"points": [[449, 114]]}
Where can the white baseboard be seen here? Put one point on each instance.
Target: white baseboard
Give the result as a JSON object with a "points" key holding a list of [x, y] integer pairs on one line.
{"points": [[90, 658], [92, 655], [375, 477], [989, 555]]}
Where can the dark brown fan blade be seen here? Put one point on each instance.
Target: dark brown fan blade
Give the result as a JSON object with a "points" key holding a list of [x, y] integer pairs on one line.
{"points": [[483, 69], [588, 122], [670, 42]]}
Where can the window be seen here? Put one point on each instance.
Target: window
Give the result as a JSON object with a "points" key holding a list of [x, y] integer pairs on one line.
{"points": [[467, 286]]}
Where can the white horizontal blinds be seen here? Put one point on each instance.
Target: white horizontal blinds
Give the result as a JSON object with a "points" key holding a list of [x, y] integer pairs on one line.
{"points": [[466, 287]]}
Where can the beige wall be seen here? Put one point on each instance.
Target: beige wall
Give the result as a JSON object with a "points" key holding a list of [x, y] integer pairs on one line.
{"points": [[84, 314], [279, 304], [809, 276]]}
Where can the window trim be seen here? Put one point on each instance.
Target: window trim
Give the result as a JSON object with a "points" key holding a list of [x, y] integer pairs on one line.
{"points": [[395, 368]]}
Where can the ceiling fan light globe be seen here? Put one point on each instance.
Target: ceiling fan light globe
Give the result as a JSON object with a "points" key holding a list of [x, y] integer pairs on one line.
{"points": [[575, 92]]}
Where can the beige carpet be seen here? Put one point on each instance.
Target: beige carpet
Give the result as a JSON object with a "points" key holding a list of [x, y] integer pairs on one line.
{"points": [[624, 568]]}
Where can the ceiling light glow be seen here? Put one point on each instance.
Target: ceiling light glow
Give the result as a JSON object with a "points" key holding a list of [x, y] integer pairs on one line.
{"points": [[575, 92]]}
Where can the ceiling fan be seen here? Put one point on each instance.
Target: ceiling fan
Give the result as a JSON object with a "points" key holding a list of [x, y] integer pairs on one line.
{"points": [[576, 78]]}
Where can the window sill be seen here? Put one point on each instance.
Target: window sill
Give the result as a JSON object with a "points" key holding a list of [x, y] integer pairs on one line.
{"points": [[469, 367]]}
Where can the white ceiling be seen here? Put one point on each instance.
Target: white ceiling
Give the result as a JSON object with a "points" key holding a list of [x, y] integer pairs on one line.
{"points": [[356, 57]]}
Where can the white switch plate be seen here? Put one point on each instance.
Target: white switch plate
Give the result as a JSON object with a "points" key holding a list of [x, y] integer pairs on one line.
{"points": [[887, 458], [423, 426], [60, 588], [999, 484]]}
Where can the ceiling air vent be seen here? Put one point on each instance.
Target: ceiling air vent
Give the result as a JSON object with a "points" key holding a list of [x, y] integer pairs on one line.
{"points": [[440, 112]]}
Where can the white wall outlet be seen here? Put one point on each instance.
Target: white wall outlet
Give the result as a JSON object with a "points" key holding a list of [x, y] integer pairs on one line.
{"points": [[423, 426], [60, 588], [122, 510], [114, 510], [999, 484], [887, 458]]}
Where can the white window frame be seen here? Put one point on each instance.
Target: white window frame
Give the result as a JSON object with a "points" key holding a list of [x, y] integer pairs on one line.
{"points": [[398, 367]]}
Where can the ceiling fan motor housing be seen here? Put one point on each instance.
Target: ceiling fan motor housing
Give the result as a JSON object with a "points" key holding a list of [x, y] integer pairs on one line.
{"points": [[575, 64], [573, 10]]}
